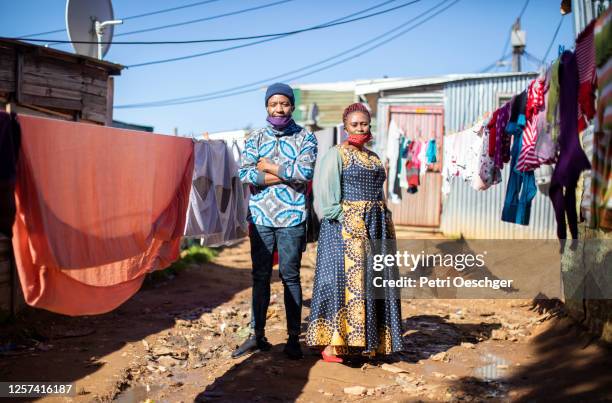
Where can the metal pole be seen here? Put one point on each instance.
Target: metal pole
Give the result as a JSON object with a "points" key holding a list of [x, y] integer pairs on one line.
{"points": [[99, 34], [517, 49]]}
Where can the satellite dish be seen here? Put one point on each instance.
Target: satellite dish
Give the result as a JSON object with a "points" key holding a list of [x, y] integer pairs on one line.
{"points": [[90, 21]]}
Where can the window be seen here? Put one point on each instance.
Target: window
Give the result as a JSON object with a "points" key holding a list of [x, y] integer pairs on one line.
{"points": [[502, 98]]}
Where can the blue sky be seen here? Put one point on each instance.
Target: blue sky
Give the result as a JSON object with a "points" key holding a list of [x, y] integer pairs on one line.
{"points": [[463, 39]]}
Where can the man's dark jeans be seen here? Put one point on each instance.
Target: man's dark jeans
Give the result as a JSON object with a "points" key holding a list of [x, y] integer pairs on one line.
{"points": [[289, 242]]}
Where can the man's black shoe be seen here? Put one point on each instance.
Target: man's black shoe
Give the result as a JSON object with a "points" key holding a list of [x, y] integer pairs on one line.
{"points": [[251, 345], [293, 349]]}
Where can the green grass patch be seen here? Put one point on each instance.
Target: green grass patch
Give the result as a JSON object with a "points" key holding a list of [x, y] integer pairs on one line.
{"points": [[192, 255]]}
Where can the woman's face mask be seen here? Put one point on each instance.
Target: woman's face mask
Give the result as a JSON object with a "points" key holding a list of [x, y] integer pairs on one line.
{"points": [[357, 126]]}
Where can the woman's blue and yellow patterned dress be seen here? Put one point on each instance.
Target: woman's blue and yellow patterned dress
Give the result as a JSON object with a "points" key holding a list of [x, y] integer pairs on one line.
{"points": [[346, 311]]}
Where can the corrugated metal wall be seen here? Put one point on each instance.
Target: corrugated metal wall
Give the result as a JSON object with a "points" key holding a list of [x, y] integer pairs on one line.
{"points": [[465, 101], [585, 11], [478, 214], [467, 211]]}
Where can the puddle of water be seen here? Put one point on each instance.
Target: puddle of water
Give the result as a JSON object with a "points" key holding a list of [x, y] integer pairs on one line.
{"points": [[491, 371], [136, 394]]}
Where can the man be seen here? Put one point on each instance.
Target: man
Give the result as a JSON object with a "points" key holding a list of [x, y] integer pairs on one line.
{"points": [[278, 161]]}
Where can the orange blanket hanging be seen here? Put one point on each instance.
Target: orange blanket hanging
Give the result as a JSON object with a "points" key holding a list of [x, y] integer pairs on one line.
{"points": [[97, 209]]}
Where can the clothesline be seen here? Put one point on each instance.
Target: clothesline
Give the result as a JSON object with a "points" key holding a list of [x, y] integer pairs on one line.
{"points": [[538, 129]]}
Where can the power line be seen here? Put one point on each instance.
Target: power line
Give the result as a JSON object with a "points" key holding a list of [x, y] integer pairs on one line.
{"points": [[552, 40], [333, 23], [213, 17], [167, 10], [523, 10], [132, 17], [296, 70], [222, 50], [495, 63], [237, 90], [301, 68], [533, 59], [161, 27]]}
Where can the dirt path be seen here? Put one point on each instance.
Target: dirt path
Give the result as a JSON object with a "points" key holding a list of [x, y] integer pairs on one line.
{"points": [[172, 342]]}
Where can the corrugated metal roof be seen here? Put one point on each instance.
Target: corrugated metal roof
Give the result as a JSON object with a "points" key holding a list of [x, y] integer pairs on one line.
{"points": [[465, 101], [385, 84]]}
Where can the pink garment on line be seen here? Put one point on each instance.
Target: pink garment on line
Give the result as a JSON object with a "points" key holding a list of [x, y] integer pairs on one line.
{"points": [[527, 159], [97, 209], [587, 77]]}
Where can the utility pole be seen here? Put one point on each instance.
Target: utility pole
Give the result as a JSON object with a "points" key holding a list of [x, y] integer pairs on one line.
{"points": [[519, 41]]}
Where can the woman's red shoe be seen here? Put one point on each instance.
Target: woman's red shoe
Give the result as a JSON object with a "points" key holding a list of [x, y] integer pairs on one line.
{"points": [[330, 358]]}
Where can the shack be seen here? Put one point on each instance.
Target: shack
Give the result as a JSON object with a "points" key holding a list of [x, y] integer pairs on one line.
{"points": [[430, 108]]}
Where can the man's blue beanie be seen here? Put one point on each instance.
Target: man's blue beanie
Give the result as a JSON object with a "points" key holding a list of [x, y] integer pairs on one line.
{"points": [[280, 89]]}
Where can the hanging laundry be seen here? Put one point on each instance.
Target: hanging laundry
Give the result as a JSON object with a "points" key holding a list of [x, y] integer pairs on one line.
{"points": [[603, 38], [326, 139], [422, 157], [520, 191], [10, 140], [97, 209], [585, 58], [545, 149], [448, 164], [602, 158], [392, 156], [217, 204], [461, 156], [543, 176], [397, 189], [527, 160], [488, 173], [552, 102], [586, 202], [502, 140], [472, 155], [413, 166], [515, 124], [521, 188], [492, 129], [432, 152], [403, 181], [237, 151], [572, 160]]}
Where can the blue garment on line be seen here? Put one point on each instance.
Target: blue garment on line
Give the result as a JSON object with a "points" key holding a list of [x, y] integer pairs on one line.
{"points": [[521, 185], [431, 152]]}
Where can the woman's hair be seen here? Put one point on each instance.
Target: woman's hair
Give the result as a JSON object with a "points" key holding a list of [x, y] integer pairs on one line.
{"points": [[356, 107]]}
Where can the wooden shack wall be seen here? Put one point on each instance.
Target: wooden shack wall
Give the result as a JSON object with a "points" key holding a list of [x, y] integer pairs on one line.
{"points": [[55, 85]]}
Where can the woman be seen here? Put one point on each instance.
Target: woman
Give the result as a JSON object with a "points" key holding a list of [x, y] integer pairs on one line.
{"points": [[348, 314]]}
